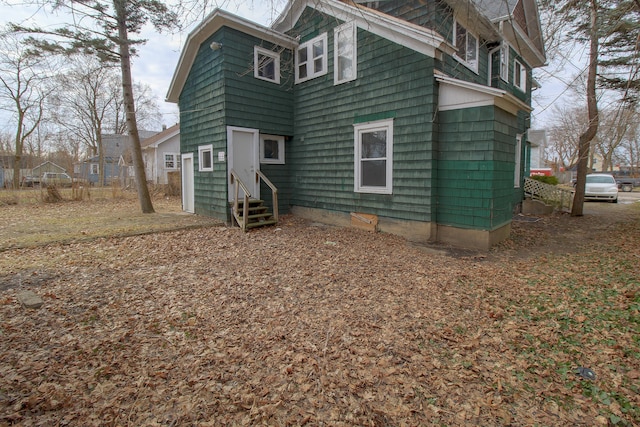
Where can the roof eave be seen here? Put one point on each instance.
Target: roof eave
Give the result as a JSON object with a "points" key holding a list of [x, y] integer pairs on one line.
{"points": [[418, 38], [210, 25]]}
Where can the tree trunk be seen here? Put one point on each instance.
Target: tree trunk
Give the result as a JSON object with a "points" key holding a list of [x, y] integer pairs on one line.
{"points": [[592, 106], [127, 87], [17, 158]]}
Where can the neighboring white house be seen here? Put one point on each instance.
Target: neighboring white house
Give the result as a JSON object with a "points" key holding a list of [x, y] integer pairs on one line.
{"points": [[161, 154], [538, 141]]}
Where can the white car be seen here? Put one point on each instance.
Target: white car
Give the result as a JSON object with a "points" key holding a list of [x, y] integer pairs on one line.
{"points": [[601, 186]]}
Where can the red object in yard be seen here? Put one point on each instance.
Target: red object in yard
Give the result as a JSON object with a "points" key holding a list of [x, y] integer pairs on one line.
{"points": [[541, 172]]}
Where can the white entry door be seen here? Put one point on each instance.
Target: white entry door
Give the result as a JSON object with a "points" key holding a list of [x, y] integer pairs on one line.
{"points": [[188, 196], [243, 147]]}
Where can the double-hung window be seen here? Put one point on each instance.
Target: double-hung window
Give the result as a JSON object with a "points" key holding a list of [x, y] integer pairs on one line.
{"points": [[266, 65], [311, 59], [345, 52], [171, 160], [205, 158], [504, 62], [95, 169], [519, 76], [374, 157], [467, 46]]}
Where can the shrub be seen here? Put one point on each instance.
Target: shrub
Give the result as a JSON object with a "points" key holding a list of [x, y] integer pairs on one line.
{"points": [[551, 180]]}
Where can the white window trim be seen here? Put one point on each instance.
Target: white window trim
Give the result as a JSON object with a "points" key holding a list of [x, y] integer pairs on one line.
{"points": [[504, 61], [201, 150], [523, 75], [471, 65], [280, 159], [518, 161], [344, 28], [311, 74], [257, 51], [176, 159], [358, 130], [97, 168]]}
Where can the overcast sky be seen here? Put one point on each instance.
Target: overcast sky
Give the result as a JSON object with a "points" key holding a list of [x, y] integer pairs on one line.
{"points": [[157, 59]]}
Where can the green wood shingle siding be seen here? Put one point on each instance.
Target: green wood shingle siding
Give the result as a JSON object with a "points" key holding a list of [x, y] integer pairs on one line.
{"points": [[476, 169], [221, 91], [202, 123], [322, 152]]}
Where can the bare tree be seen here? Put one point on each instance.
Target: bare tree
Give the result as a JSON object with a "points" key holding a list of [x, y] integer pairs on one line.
{"points": [[87, 103], [103, 28], [615, 126], [564, 135], [21, 93]]}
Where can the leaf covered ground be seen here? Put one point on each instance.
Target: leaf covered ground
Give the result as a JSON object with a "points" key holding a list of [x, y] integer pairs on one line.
{"points": [[303, 324]]}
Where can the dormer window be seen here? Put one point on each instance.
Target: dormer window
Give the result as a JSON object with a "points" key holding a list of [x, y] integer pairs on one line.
{"points": [[311, 59], [519, 76], [467, 45], [504, 62]]}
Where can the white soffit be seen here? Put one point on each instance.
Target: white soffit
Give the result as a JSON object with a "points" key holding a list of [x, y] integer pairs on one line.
{"points": [[457, 94]]}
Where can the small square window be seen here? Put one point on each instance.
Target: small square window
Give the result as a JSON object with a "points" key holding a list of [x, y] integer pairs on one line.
{"points": [[272, 149], [205, 158], [311, 59], [266, 65]]}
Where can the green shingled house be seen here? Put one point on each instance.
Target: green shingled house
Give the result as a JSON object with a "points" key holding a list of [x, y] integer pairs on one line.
{"points": [[412, 113]]}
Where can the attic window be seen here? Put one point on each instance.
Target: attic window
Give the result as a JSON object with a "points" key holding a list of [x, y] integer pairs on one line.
{"points": [[266, 65], [519, 76], [311, 59], [467, 45], [346, 58], [504, 62]]}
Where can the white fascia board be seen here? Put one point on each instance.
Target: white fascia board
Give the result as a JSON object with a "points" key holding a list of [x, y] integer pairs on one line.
{"points": [[210, 25], [523, 44], [419, 39], [458, 94]]}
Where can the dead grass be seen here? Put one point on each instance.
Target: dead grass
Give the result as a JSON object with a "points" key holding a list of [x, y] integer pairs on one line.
{"points": [[304, 325], [27, 221]]}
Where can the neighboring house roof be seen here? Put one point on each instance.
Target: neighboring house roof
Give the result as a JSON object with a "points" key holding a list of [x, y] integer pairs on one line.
{"points": [[211, 24], [42, 165], [159, 138]]}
